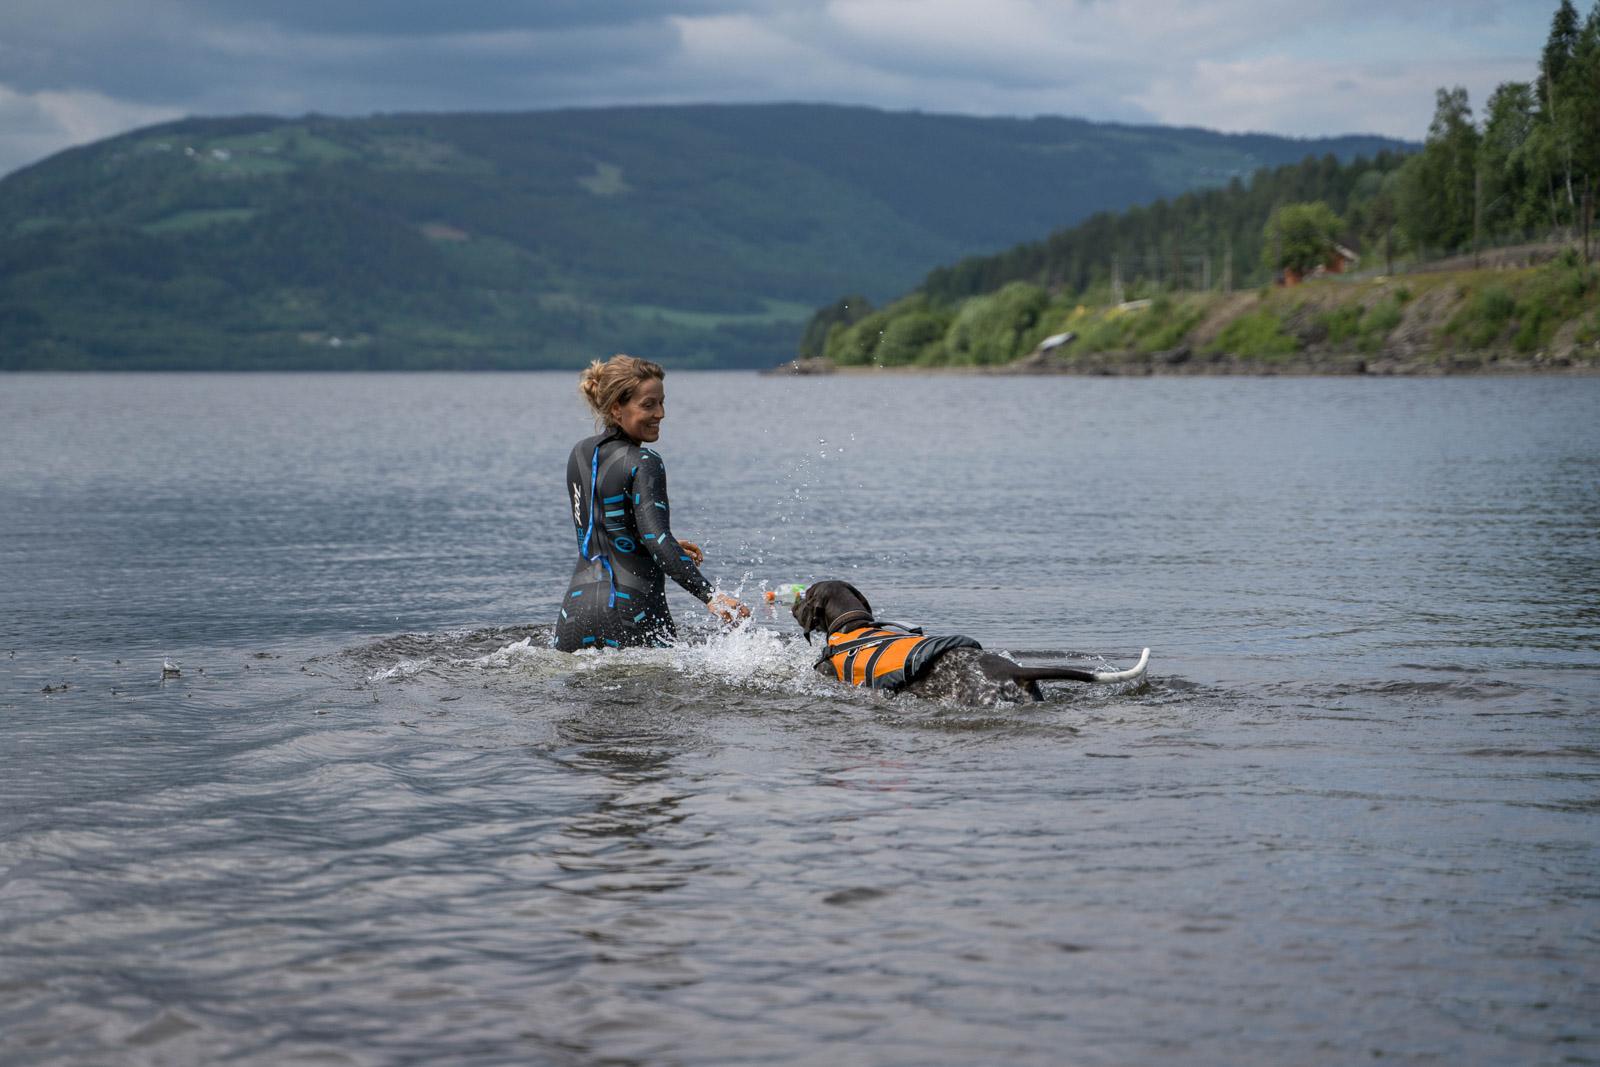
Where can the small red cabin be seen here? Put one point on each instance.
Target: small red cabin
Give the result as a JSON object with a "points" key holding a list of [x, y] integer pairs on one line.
{"points": [[1340, 260]]}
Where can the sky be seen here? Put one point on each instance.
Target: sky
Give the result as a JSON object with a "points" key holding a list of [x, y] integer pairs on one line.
{"points": [[74, 71]]}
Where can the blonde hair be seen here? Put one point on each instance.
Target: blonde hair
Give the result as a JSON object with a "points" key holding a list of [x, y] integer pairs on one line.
{"points": [[606, 383]]}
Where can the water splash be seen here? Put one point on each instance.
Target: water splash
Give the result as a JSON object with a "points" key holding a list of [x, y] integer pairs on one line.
{"points": [[752, 656], [406, 668]]}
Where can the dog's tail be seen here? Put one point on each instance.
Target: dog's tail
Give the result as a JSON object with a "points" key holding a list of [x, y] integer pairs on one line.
{"points": [[1073, 674]]}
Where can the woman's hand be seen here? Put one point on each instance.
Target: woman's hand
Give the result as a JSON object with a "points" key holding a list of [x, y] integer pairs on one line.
{"points": [[692, 550], [726, 607]]}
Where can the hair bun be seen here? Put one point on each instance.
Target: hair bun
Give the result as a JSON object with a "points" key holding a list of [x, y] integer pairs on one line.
{"points": [[589, 382]]}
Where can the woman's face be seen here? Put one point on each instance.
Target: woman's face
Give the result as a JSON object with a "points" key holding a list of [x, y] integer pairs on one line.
{"points": [[640, 417]]}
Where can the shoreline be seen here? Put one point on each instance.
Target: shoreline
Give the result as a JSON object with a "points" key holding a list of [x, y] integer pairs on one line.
{"points": [[1157, 366]]}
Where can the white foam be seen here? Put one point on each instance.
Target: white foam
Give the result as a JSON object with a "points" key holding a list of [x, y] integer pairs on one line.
{"points": [[516, 652], [746, 655], [406, 668], [749, 655]]}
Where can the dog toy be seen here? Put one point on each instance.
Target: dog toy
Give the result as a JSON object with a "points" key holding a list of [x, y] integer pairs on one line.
{"points": [[786, 593]]}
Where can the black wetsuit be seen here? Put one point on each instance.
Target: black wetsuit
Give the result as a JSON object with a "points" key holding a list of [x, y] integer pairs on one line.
{"points": [[617, 491]]}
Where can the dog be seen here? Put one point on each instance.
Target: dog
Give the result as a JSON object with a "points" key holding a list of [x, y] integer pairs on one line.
{"points": [[862, 651]]}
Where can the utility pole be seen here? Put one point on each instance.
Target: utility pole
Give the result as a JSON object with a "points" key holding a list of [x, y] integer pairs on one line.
{"points": [[1177, 259], [1588, 220], [1477, 215]]}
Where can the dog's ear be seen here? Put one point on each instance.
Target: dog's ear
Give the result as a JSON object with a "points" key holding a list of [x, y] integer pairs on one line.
{"points": [[805, 612]]}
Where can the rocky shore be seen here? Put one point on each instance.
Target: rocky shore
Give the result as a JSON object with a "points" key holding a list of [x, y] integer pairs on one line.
{"points": [[1184, 362]]}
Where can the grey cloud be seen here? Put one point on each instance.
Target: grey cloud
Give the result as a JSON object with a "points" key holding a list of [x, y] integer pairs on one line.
{"points": [[238, 65], [36, 125], [23, 119], [1105, 59], [507, 71], [414, 18]]}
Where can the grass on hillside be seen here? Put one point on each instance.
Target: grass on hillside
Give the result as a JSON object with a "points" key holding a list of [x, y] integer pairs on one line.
{"points": [[183, 221], [296, 144], [775, 311], [1261, 334], [1160, 324]]}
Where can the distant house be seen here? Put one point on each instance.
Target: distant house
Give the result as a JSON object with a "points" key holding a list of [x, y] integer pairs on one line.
{"points": [[1339, 260]]}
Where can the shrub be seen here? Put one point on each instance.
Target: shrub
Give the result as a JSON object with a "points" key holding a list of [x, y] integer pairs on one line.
{"points": [[1532, 331], [1058, 316], [990, 329], [1589, 331], [1258, 335], [845, 311], [1484, 318], [908, 337], [1379, 322], [1104, 332], [1342, 324], [1164, 325], [858, 343]]}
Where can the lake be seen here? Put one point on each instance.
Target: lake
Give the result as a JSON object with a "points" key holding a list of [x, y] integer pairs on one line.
{"points": [[1351, 814]]}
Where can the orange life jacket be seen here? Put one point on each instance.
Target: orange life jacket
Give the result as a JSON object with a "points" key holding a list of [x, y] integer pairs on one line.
{"points": [[886, 655]]}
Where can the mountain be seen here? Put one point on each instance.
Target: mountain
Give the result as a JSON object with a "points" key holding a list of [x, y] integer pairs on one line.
{"points": [[697, 235]]}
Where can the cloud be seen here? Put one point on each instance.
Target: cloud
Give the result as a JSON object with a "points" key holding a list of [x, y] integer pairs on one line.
{"points": [[1313, 97], [427, 18], [1361, 66], [39, 124]]}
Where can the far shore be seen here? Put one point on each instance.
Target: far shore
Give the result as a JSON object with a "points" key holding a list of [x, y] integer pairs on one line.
{"points": [[1528, 310], [1136, 365]]}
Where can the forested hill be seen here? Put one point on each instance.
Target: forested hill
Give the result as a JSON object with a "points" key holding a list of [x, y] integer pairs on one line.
{"points": [[699, 235]]}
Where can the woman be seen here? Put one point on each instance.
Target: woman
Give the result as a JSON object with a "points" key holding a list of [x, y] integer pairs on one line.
{"points": [[617, 489]]}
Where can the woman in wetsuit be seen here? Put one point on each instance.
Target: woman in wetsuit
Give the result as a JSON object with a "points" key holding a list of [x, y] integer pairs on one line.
{"points": [[617, 490]]}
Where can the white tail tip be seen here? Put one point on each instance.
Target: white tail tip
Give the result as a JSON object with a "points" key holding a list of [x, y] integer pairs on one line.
{"points": [[1128, 675]]}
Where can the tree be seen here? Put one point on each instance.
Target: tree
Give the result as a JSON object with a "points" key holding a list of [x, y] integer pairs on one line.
{"points": [[1298, 237], [1581, 81], [1560, 90], [991, 329], [1438, 189], [1502, 158], [1558, 50], [847, 310], [1374, 212]]}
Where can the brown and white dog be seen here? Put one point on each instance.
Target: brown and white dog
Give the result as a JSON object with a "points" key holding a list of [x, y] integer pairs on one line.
{"points": [[864, 652]]}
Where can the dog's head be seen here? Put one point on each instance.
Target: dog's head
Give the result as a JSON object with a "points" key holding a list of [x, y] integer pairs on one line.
{"points": [[824, 603]]}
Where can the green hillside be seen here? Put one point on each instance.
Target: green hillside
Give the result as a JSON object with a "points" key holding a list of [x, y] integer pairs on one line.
{"points": [[699, 235]]}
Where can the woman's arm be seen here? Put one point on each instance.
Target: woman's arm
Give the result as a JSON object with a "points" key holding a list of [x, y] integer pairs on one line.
{"points": [[652, 515]]}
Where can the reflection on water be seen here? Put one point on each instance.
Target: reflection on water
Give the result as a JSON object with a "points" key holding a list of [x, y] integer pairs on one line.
{"points": [[1350, 816]]}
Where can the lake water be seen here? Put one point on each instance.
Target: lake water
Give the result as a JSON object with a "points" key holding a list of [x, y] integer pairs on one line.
{"points": [[1352, 815]]}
